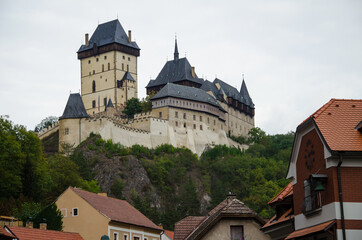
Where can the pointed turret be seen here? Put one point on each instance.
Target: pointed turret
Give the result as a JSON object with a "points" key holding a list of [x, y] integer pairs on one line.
{"points": [[245, 94], [175, 54]]}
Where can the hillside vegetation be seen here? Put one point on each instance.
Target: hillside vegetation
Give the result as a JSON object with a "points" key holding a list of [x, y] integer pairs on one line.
{"points": [[166, 183]]}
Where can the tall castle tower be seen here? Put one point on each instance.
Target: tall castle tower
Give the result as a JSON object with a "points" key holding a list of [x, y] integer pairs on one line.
{"points": [[108, 67]]}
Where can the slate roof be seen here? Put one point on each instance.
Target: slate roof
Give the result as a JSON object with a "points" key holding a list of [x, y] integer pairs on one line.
{"points": [[23, 233], [74, 108], [310, 230], [336, 121], [128, 76], [116, 210], [110, 104], [242, 96], [194, 227], [175, 71], [189, 93], [108, 33], [208, 86]]}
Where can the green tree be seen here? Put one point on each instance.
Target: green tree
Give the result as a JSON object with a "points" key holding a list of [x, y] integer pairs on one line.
{"points": [[27, 211], [50, 215], [256, 135], [133, 106]]}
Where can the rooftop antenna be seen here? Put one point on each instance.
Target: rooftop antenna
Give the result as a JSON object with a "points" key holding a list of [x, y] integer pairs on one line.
{"points": [[243, 76], [117, 16]]}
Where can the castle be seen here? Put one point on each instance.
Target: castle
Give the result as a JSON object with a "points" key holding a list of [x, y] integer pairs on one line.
{"points": [[187, 111]]}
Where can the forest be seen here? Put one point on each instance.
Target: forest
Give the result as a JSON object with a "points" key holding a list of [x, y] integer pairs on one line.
{"points": [[176, 182]]}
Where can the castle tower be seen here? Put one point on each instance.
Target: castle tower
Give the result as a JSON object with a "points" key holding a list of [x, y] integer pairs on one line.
{"points": [[108, 67]]}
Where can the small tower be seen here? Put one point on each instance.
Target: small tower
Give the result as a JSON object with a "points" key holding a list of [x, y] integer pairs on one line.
{"points": [[175, 54], [105, 59]]}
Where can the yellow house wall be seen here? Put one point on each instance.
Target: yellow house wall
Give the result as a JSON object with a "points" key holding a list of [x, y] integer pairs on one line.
{"points": [[131, 231], [89, 223], [222, 230]]}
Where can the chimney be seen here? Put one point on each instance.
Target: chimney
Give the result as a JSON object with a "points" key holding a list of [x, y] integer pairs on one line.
{"points": [[160, 225], [87, 39], [29, 224], [193, 71], [43, 226], [129, 36], [102, 194], [230, 196]]}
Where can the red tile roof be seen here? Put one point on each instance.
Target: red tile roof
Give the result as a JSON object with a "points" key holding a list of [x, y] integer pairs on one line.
{"points": [[285, 192], [4, 234], [184, 227], [23, 233], [170, 234], [336, 121], [314, 229], [285, 217], [116, 210]]}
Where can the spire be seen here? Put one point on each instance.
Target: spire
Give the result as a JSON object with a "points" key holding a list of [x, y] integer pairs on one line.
{"points": [[175, 54]]}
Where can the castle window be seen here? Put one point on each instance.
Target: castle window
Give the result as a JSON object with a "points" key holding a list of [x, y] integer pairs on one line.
{"points": [[160, 114], [127, 68], [123, 57], [194, 117], [66, 131], [176, 114], [200, 127], [200, 118], [93, 103], [184, 125], [109, 66], [176, 124], [105, 57], [97, 59], [208, 119], [184, 115], [194, 126], [105, 101], [214, 122], [94, 86], [94, 71], [89, 61], [129, 59], [122, 67], [102, 67]]}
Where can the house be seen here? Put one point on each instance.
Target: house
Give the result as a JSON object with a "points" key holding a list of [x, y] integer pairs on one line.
{"points": [[282, 223], [94, 215], [326, 173], [26, 233], [231, 219], [167, 235]]}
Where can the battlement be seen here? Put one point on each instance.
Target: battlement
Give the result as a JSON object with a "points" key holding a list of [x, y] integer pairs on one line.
{"points": [[142, 115], [49, 130]]}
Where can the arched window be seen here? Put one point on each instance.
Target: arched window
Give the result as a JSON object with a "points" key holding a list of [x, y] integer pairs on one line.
{"points": [[94, 86]]}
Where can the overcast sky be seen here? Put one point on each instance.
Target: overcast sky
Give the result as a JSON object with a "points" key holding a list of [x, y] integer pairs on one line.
{"points": [[296, 55]]}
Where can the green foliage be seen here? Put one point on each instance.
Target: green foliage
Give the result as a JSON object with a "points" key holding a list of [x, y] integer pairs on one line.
{"points": [[117, 188], [133, 106], [51, 216], [146, 104], [27, 211], [140, 151], [256, 135]]}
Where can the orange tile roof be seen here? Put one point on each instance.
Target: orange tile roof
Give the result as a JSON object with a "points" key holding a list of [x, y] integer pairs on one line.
{"points": [[336, 121], [306, 231], [23, 233], [5, 234], [184, 227], [116, 210], [285, 217], [285, 192], [170, 234]]}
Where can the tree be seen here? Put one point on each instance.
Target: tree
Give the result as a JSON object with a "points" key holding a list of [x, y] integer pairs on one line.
{"points": [[256, 135], [46, 122], [133, 106], [50, 215]]}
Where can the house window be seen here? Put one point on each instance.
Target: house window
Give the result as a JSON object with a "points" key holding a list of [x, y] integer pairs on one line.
{"points": [[94, 86], [66, 131], [160, 114], [237, 232], [200, 118], [125, 237], [115, 236], [93, 103], [64, 212], [184, 115], [75, 212], [312, 199], [105, 57], [136, 238], [176, 114]]}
